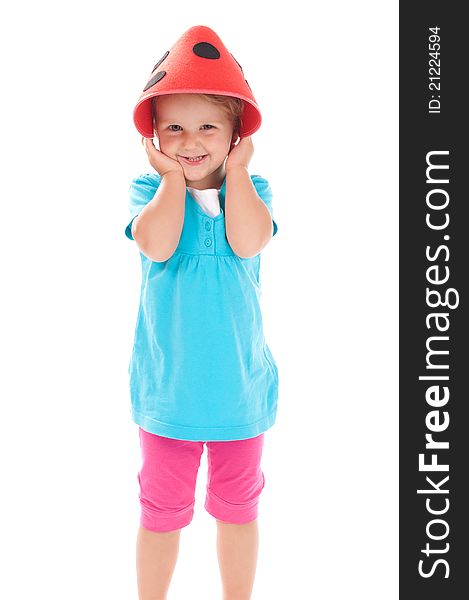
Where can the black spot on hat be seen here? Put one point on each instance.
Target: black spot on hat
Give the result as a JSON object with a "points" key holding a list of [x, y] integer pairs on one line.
{"points": [[161, 60], [248, 84], [155, 79], [205, 50], [237, 62]]}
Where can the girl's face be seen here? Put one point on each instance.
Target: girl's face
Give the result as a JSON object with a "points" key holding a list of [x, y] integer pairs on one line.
{"points": [[189, 127]]}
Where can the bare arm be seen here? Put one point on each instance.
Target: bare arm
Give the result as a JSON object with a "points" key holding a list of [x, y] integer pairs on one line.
{"points": [[158, 227], [249, 225]]}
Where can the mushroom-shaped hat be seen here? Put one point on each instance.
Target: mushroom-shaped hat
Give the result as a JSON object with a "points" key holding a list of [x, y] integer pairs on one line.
{"points": [[197, 63]]}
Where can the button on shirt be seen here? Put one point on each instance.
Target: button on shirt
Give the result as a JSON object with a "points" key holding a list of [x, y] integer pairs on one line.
{"points": [[200, 368], [209, 202]]}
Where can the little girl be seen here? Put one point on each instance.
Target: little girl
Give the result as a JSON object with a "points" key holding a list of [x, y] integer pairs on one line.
{"points": [[200, 371]]}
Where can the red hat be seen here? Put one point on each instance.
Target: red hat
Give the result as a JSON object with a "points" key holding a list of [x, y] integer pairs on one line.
{"points": [[197, 63]]}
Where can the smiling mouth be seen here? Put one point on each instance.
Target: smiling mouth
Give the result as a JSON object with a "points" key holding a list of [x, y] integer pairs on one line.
{"points": [[193, 160]]}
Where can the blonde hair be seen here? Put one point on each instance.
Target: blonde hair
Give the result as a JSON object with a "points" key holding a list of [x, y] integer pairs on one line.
{"points": [[233, 107]]}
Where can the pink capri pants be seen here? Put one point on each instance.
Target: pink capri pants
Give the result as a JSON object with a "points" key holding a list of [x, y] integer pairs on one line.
{"points": [[168, 475]]}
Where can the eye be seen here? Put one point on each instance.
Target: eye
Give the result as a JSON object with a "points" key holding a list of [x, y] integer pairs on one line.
{"points": [[174, 128], [207, 126]]}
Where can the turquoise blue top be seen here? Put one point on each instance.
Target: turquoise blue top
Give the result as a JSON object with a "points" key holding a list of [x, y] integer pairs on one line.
{"points": [[200, 368]]}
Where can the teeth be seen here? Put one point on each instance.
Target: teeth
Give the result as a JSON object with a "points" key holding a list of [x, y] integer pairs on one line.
{"points": [[194, 158]]}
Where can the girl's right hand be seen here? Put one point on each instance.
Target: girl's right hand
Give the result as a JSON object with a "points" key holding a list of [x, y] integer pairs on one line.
{"points": [[159, 161]]}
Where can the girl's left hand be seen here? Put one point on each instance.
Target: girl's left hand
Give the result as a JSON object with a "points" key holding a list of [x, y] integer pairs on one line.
{"points": [[241, 154]]}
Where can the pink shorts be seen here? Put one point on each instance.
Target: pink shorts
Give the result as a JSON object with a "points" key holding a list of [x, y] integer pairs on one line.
{"points": [[168, 477]]}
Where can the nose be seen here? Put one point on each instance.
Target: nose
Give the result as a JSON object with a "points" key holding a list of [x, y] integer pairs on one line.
{"points": [[190, 140]]}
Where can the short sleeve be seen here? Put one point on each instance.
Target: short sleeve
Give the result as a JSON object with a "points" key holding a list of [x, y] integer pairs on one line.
{"points": [[265, 194], [141, 191]]}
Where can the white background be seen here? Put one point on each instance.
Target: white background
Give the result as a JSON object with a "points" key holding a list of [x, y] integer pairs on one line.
{"points": [[326, 82]]}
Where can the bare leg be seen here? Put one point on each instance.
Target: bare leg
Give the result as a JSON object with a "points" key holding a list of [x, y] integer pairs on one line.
{"points": [[237, 548], [156, 559]]}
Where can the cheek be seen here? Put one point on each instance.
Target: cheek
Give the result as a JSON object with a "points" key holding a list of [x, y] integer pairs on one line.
{"points": [[167, 146], [222, 145]]}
